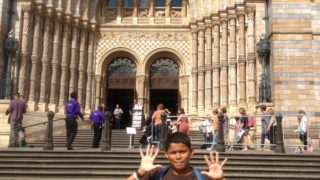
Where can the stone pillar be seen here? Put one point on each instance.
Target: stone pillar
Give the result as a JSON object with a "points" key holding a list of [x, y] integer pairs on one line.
{"points": [[184, 92], [184, 8], [119, 8], [194, 70], [64, 65], [74, 57], [168, 8], [242, 59], [201, 62], [140, 85], [216, 64], [151, 9], [82, 63], [233, 62], [35, 57], [55, 63], [224, 60], [24, 53], [98, 86], [135, 8], [90, 69], [208, 65], [251, 57], [45, 60]]}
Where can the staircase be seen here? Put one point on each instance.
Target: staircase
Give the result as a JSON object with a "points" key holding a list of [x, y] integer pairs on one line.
{"points": [[34, 164]]}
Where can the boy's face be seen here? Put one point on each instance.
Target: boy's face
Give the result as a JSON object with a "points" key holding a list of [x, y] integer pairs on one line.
{"points": [[179, 155]]}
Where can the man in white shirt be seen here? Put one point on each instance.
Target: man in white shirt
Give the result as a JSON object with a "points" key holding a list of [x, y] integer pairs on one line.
{"points": [[303, 128], [117, 114]]}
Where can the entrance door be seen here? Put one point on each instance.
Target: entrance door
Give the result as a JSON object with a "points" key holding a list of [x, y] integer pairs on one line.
{"points": [[124, 98], [169, 98], [164, 84]]}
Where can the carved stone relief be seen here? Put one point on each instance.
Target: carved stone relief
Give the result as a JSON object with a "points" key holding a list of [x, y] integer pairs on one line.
{"points": [[175, 13], [111, 12], [127, 12], [143, 12], [160, 13]]}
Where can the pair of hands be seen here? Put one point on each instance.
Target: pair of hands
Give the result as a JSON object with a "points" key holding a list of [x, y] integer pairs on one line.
{"points": [[147, 163]]}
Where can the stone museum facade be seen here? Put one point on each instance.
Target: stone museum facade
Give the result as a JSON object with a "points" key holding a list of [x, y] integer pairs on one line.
{"points": [[194, 54]]}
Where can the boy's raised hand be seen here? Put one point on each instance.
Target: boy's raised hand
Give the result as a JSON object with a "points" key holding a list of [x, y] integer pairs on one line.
{"points": [[148, 160], [215, 169]]}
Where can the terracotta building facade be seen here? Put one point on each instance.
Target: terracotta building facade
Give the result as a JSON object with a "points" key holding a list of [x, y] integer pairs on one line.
{"points": [[194, 54]]}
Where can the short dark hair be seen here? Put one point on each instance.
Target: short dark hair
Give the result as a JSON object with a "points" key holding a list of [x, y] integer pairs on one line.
{"points": [[17, 95], [73, 95], [178, 138], [263, 107], [301, 112], [224, 110]]}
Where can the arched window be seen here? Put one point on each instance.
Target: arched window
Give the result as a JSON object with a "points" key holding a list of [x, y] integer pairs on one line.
{"points": [[176, 3], [164, 74], [160, 3], [112, 3], [128, 3], [121, 74], [144, 3]]}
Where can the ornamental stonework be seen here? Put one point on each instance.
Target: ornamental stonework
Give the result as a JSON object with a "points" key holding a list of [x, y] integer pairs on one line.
{"points": [[143, 43]]}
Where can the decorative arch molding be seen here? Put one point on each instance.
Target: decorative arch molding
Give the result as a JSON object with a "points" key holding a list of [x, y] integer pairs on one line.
{"points": [[113, 54], [160, 53]]}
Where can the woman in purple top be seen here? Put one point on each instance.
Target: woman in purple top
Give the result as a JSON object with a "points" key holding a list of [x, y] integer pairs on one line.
{"points": [[97, 119], [72, 113]]}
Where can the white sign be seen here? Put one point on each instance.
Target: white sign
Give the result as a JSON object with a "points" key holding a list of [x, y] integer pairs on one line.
{"points": [[131, 130]]}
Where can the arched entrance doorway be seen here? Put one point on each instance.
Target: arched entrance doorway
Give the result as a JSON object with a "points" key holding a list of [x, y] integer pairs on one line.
{"points": [[164, 84], [121, 77]]}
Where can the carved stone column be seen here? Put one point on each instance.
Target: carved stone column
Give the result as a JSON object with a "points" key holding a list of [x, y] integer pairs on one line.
{"points": [[35, 57], [140, 84], [216, 63], [63, 95], [98, 86], [45, 60], [224, 60], [168, 8], [82, 63], [119, 8], [251, 56], [201, 69], [90, 69], [135, 8], [24, 53], [208, 64], [184, 92], [184, 8], [194, 68], [74, 57], [151, 9], [233, 62], [242, 59], [55, 62]]}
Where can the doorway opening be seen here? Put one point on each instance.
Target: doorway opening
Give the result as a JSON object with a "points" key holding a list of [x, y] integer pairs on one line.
{"points": [[169, 99], [123, 97]]}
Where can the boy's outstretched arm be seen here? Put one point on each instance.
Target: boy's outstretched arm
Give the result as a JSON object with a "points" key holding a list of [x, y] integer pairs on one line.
{"points": [[215, 169], [146, 163]]}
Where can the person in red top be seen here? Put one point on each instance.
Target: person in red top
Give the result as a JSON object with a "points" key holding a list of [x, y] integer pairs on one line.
{"points": [[184, 123], [156, 118], [16, 110]]}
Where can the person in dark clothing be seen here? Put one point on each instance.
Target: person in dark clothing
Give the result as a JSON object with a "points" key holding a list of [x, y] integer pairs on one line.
{"points": [[72, 113], [97, 119]]}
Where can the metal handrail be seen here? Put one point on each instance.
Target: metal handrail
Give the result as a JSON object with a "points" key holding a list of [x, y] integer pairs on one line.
{"points": [[43, 123]]}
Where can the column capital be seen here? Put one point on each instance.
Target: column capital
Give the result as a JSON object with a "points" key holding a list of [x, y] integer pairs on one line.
{"points": [[240, 9], [207, 22], [223, 16], [250, 9], [200, 25], [84, 24], [193, 27]]}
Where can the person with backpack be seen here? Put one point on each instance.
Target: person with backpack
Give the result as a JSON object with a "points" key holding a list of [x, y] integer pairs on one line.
{"points": [[244, 125], [265, 118], [178, 151]]}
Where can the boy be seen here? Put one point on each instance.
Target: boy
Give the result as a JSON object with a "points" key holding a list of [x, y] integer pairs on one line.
{"points": [[178, 151]]}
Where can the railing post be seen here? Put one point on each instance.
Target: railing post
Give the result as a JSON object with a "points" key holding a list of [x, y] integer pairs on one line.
{"points": [[48, 142], [163, 131], [220, 141], [106, 142], [279, 135]]}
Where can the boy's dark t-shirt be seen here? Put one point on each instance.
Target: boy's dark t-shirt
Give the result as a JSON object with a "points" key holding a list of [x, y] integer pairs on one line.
{"points": [[170, 175]]}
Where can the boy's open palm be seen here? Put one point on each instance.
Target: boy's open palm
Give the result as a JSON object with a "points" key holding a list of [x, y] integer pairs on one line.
{"points": [[148, 159], [215, 169]]}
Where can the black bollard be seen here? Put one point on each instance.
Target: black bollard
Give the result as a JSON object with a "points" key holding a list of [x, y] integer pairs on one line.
{"points": [[279, 135], [220, 141], [106, 142], [48, 142], [164, 131]]}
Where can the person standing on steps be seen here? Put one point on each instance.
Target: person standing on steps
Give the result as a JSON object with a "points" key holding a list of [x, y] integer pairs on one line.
{"points": [[97, 119], [117, 115], [16, 110], [72, 113]]}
